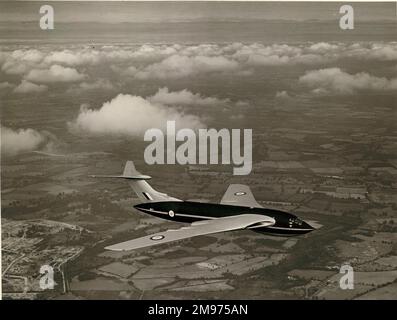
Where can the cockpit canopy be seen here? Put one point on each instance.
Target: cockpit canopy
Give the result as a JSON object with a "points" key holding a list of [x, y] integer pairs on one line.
{"points": [[297, 221]]}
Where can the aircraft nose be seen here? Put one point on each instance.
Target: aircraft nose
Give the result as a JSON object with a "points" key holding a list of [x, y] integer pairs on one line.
{"points": [[307, 226]]}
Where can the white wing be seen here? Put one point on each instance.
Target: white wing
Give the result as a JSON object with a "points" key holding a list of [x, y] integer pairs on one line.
{"points": [[240, 195], [198, 228]]}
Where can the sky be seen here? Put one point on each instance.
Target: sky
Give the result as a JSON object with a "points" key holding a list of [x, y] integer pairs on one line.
{"points": [[116, 12]]}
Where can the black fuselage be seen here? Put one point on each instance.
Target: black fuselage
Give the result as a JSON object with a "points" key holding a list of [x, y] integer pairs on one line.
{"points": [[188, 211]]}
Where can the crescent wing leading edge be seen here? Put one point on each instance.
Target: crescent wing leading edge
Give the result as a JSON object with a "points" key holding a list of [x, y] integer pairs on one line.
{"points": [[198, 228]]}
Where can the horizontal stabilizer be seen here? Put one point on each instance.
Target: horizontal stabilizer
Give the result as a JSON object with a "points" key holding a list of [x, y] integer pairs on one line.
{"points": [[138, 183]]}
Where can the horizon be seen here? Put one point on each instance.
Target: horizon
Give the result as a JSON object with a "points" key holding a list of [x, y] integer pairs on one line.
{"points": [[160, 12]]}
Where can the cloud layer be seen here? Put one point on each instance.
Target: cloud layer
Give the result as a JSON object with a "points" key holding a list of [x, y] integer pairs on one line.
{"points": [[334, 80], [163, 62]]}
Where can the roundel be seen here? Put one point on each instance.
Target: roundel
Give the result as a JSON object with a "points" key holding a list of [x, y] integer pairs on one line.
{"points": [[158, 237], [239, 193], [171, 213]]}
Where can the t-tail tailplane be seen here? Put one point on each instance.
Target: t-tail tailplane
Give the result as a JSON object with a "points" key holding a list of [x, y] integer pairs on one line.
{"points": [[138, 183]]}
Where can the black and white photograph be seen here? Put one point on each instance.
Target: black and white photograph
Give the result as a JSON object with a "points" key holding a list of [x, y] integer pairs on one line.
{"points": [[198, 150]]}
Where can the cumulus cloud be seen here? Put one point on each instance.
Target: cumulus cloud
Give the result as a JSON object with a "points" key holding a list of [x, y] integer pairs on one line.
{"points": [[382, 53], [29, 87], [20, 61], [276, 55], [129, 115], [323, 47], [282, 95], [13, 67], [17, 141], [29, 55], [55, 73], [337, 81], [73, 58], [178, 66], [372, 51], [150, 53], [184, 97]]}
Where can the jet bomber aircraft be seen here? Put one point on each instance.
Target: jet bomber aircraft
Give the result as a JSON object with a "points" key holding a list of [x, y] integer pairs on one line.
{"points": [[238, 210]]}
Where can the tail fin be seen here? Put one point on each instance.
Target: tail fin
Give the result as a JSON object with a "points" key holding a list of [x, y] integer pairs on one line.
{"points": [[131, 173], [138, 183]]}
